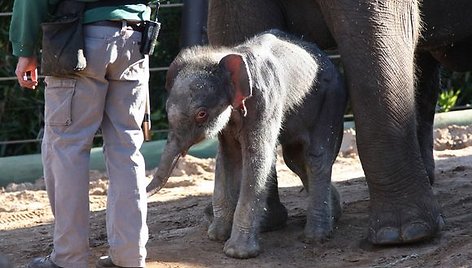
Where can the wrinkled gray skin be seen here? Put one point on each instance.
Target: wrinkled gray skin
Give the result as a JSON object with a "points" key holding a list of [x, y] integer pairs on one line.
{"points": [[245, 95], [378, 42]]}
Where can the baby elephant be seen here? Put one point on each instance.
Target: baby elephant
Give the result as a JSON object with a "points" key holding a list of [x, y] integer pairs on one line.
{"points": [[270, 88]]}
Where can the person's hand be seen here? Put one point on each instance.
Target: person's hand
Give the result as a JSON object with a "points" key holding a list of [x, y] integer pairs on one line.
{"points": [[27, 72]]}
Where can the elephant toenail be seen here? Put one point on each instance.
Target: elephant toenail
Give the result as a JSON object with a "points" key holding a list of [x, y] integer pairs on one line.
{"points": [[388, 235], [416, 231], [441, 222]]}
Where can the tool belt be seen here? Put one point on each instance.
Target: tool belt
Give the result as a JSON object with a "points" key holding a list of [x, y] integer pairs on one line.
{"points": [[63, 41], [136, 26], [104, 3]]}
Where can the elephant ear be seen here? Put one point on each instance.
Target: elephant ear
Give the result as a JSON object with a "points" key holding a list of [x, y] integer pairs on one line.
{"points": [[172, 72], [240, 79]]}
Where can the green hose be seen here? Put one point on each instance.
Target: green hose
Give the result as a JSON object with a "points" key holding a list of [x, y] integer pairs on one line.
{"points": [[28, 168]]}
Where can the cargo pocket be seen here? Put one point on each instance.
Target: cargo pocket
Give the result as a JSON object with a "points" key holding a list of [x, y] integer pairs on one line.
{"points": [[58, 101]]}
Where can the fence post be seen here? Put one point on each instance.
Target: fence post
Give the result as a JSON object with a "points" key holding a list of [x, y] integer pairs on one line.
{"points": [[194, 19]]}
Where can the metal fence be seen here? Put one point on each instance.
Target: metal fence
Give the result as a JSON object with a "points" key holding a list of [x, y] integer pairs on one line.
{"points": [[13, 78], [156, 69]]}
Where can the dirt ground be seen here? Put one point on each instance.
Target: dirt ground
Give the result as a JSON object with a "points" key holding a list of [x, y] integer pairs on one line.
{"points": [[178, 229]]}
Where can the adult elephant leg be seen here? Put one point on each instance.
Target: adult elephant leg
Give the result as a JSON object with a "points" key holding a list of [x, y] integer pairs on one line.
{"points": [[232, 22], [426, 99], [377, 40]]}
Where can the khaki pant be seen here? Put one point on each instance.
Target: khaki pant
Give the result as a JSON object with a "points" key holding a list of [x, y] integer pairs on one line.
{"points": [[109, 94]]}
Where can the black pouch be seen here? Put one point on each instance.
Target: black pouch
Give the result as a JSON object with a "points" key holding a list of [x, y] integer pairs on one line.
{"points": [[63, 41], [149, 37], [150, 33]]}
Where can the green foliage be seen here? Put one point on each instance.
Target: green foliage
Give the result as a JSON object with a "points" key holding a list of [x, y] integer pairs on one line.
{"points": [[448, 99], [21, 111], [458, 93], [167, 48]]}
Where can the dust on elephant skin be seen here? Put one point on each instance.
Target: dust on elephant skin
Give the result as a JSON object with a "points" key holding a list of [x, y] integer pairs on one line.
{"points": [[379, 46], [269, 86]]}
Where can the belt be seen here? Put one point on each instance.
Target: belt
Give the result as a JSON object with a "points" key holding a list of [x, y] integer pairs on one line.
{"points": [[137, 26]]}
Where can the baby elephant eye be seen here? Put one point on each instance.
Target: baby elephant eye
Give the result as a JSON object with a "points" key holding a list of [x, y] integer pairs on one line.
{"points": [[201, 115]]}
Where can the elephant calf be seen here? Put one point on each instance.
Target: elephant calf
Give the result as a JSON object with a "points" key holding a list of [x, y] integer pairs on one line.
{"points": [[270, 88]]}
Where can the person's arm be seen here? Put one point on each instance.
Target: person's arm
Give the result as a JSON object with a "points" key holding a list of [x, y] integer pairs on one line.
{"points": [[25, 27]]}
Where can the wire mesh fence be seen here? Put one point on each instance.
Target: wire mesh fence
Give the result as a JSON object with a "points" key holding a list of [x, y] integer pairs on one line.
{"points": [[9, 87], [169, 37]]}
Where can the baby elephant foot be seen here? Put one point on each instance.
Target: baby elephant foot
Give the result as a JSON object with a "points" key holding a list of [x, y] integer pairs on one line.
{"points": [[208, 214], [317, 235], [320, 222], [274, 218], [319, 230], [404, 222], [219, 229], [242, 245]]}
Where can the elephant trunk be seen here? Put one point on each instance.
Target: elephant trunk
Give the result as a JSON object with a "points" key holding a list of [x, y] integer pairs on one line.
{"points": [[169, 159]]}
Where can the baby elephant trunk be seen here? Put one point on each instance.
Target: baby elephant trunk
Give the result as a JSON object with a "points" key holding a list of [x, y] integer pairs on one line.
{"points": [[169, 159]]}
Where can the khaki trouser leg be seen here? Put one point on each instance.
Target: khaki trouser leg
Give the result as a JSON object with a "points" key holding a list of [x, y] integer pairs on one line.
{"points": [[110, 93], [127, 203]]}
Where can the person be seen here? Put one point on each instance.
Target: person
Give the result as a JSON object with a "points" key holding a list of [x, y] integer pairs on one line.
{"points": [[109, 94]]}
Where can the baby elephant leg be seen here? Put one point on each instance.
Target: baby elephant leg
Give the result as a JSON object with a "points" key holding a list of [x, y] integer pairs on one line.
{"points": [[226, 191], [275, 214], [323, 206], [274, 217], [258, 160]]}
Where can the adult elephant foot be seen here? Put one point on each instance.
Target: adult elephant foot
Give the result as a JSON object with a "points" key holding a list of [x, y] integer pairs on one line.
{"points": [[398, 222], [243, 244]]}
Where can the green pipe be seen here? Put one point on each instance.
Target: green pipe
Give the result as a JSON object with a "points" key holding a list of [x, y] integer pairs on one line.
{"points": [[458, 118], [28, 168]]}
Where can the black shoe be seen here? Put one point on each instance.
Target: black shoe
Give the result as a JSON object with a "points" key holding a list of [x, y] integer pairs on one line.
{"points": [[105, 262], [42, 262]]}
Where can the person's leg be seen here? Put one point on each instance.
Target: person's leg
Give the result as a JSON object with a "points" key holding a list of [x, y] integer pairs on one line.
{"points": [[128, 77], [73, 113]]}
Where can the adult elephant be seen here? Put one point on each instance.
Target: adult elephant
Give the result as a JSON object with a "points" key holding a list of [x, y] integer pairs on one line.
{"points": [[378, 42]]}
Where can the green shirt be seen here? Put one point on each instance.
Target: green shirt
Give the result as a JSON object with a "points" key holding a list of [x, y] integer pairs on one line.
{"points": [[28, 15]]}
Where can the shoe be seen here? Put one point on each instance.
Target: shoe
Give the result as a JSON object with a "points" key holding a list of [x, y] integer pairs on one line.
{"points": [[106, 262], [42, 262]]}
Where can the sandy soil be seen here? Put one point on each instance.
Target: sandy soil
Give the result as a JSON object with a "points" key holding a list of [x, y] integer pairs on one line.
{"points": [[178, 229]]}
